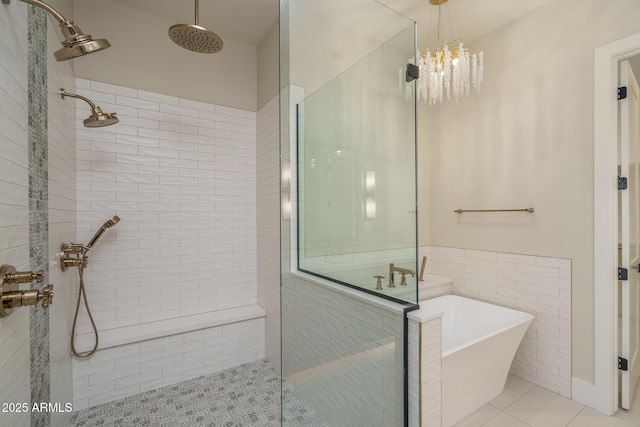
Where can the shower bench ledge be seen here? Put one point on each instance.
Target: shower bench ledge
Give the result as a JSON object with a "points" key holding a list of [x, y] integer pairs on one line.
{"points": [[162, 328]]}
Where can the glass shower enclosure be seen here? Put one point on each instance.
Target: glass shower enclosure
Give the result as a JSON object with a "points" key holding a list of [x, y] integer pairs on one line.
{"points": [[348, 211], [356, 176]]}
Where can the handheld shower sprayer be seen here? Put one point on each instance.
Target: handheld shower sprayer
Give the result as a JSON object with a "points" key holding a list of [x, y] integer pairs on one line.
{"points": [[75, 255], [108, 224]]}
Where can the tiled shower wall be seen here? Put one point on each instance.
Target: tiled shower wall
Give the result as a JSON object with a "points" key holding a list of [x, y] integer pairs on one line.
{"points": [[268, 214], [425, 372], [62, 227], [538, 285], [181, 174], [38, 207], [343, 353], [47, 155], [14, 203]]}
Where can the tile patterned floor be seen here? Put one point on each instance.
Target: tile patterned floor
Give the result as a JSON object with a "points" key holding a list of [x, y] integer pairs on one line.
{"points": [[523, 404], [248, 395]]}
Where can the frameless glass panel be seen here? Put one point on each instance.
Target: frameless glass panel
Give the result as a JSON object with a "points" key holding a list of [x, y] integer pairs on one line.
{"points": [[347, 150], [356, 175]]}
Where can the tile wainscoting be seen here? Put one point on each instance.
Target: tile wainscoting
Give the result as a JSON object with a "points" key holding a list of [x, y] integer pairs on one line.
{"points": [[538, 285]]}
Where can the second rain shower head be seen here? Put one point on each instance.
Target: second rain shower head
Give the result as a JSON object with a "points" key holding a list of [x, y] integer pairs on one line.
{"points": [[194, 37], [98, 118]]}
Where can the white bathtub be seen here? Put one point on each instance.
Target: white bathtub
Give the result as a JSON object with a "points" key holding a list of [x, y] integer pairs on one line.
{"points": [[479, 342]]}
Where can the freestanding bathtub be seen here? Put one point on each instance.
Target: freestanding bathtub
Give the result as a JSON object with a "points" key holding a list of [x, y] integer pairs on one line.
{"points": [[479, 342]]}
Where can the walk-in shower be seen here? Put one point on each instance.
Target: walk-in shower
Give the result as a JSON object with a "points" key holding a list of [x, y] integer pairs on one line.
{"points": [[75, 43]]}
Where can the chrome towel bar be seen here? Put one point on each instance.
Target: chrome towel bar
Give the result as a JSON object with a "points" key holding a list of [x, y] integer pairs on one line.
{"points": [[459, 211]]}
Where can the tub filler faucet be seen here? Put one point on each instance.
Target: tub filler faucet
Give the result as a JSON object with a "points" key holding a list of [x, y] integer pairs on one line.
{"points": [[403, 271]]}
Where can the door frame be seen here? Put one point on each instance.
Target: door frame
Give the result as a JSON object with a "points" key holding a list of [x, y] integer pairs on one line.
{"points": [[603, 395]]}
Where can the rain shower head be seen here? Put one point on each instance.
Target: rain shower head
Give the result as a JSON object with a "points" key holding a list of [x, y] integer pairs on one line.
{"points": [[75, 43], [98, 118], [194, 37]]}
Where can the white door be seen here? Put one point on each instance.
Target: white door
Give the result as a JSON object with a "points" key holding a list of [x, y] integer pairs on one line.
{"points": [[630, 232]]}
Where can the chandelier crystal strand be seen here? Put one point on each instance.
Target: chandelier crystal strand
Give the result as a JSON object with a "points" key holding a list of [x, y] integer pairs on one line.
{"points": [[480, 70], [446, 76], [474, 70], [422, 83]]}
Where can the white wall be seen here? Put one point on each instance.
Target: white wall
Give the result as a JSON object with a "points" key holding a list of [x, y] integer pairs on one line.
{"points": [[527, 140], [14, 204], [328, 37], [181, 175], [268, 65], [143, 56]]}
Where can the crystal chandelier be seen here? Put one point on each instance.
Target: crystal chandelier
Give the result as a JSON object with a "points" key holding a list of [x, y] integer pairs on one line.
{"points": [[450, 70]]}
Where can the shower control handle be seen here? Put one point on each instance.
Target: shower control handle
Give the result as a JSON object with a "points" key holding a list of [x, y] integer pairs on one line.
{"points": [[10, 294], [11, 300], [19, 277]]}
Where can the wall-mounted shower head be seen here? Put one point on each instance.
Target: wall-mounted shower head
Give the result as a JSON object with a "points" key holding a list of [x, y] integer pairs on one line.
{"points": [[98, 118], [108, 224], [194, 37], [75, 43]]}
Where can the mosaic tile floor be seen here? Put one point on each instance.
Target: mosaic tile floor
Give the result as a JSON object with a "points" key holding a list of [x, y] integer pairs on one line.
{"points": [[247, 396]]}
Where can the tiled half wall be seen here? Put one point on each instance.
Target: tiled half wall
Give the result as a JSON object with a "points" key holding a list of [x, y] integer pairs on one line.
{"points": [[538, 285], [425, 372]]}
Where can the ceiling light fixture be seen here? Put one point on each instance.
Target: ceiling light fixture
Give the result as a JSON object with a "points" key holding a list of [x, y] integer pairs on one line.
{"points": [[450, 69]]}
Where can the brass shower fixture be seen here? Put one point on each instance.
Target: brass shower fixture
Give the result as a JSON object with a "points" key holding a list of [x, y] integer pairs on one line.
{"points": [[195, 38], [98, 118], [75, 43]]}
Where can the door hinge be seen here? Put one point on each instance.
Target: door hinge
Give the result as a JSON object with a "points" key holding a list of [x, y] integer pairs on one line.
{"points": [[413, 72], [622, 183], [623, 273], [622, 93], [623, 364]]}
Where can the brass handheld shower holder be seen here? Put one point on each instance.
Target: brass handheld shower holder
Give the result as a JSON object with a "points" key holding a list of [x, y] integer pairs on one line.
{"points": [[73, 255]]}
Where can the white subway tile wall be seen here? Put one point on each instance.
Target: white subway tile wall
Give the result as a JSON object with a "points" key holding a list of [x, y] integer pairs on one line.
{"points": [[425, 373], [14, 205], [62, 217], [186, 243], [181, 174], [538, 285], [133, 368], [343, 353], [268, 219]]}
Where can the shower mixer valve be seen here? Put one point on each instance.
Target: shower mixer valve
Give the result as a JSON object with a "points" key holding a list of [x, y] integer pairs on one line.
{"points": [[73, 255], [13, 297]]}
